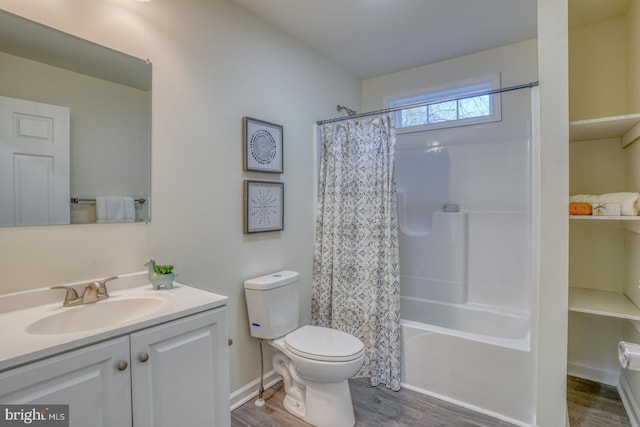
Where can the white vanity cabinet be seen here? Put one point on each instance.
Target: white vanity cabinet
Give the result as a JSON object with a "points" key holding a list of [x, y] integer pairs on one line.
{"points": [[172, 374], [88, 380], [179, 373]]}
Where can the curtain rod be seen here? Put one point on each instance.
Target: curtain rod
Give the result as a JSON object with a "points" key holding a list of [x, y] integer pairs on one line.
{"points": [[435, 101]]}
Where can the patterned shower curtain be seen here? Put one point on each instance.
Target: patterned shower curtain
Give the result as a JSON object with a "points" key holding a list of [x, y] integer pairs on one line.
{"points": [[355, 270]]}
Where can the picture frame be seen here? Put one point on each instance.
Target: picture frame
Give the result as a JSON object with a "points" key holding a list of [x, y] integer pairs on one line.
{"points": [[262, 146], [263, 206]]}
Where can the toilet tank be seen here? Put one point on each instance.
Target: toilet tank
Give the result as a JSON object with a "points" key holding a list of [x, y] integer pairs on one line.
{"points": [[273, 303]]}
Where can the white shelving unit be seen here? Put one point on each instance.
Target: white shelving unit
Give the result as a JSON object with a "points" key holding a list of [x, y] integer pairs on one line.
{"points": [[605, 217], [602, 157], [603, 303], [603, 127], [626, 127]]}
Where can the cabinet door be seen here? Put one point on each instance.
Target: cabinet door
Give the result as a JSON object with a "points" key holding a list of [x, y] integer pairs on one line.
{"points": [[180, 373], [90, 380]]}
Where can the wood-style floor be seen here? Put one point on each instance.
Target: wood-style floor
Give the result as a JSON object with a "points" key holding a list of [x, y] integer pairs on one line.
{"points": [[590, 404], [373, 407]]}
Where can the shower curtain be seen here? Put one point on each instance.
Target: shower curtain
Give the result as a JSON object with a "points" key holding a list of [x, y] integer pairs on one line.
{"points": [[356, 269]]}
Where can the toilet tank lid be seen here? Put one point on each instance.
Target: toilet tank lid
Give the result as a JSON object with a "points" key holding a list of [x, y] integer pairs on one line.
{"points": [[272, 281]]}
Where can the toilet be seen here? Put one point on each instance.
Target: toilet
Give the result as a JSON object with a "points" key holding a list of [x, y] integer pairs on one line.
{"points": [[314, 362]]}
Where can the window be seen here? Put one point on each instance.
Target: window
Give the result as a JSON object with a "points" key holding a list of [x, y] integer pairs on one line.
{"points": [[451, 111]]}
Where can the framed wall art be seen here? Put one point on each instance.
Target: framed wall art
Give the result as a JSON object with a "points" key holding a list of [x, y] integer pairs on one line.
{"points": [[261, 146], [263, 206]]}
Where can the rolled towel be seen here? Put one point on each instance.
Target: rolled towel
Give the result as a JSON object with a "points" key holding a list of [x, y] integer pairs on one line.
{"points": [[627, 201]]}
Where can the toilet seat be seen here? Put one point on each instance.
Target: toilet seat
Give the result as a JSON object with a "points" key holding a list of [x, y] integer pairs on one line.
{"points": [[324, 344]]}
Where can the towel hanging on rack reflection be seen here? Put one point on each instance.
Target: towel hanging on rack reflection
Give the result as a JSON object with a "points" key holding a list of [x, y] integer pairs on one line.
{"points": [[112, 209]]}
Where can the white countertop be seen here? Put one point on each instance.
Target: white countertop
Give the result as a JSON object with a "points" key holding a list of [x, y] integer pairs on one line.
{"points": [[21, 309]]}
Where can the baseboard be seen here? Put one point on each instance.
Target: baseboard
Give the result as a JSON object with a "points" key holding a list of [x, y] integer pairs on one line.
{"points": [[593, 374], [467, 406], [249, 391], [629, 402]]}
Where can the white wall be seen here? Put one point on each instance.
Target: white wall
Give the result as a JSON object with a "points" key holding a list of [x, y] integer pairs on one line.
{"points": [[598, 69], [213, 63], [516, 62], [632, 236], [632, 153], [551, 320], [633, 59]]}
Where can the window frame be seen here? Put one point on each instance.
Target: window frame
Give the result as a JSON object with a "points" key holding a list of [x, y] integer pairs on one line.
{"points": [[449, 91]]}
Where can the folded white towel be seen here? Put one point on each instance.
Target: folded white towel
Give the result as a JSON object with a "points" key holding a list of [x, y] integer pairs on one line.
{"points": [[111, 209], [628, 201], [101, 210], [129, 209]]}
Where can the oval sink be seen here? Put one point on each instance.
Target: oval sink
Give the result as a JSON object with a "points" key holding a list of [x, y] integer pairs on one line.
{"points": [[95, 316]]}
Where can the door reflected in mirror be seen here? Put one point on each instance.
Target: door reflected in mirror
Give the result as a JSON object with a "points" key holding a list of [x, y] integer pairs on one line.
{"points": [[107, 97]]}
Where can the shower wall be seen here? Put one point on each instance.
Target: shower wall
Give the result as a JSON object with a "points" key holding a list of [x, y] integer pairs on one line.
{"points": [[485, 169], [481, 169]]}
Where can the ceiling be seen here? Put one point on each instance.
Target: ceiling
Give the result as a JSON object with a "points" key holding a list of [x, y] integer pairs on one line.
{"points": [[375, 37]]}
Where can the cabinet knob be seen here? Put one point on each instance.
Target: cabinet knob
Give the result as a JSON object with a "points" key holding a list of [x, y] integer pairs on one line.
{"points": [[122, 365], [143, 357]]}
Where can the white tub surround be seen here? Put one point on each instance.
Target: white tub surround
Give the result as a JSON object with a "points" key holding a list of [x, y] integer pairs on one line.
{"points": [[461, 369], [491, 325], [469, 278]]}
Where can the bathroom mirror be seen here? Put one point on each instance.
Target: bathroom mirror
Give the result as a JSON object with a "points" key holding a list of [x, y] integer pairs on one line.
{"points": [[101, 103]]}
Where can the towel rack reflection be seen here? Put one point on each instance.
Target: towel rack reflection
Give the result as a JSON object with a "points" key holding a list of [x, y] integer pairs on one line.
{"points": [[78, 200]]}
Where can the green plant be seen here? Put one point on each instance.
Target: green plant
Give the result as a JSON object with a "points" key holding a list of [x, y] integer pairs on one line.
{"points": [[163, 269]]}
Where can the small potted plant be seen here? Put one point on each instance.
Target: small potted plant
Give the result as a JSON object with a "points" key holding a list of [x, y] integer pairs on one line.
{"points": [[160, 276]]}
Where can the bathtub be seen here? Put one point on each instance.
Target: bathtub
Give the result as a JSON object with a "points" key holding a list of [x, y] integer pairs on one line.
{"points": [[469, 321], [469, 355]]}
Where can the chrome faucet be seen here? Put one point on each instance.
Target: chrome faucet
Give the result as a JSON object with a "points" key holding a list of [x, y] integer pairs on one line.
{"points": [[93, 292]]}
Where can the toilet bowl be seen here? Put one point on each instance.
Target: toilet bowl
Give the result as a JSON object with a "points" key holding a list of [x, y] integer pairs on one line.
{"points": [[315, 362], [323, 354], [316, 376]]}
